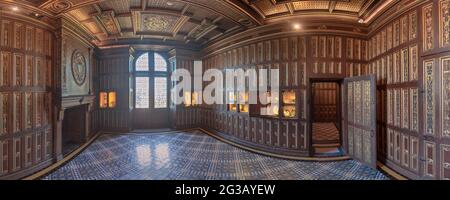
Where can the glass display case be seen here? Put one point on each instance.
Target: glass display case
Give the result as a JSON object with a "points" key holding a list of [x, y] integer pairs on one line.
{"points": [[271, 109], [112, 99], [107, 99], [243, 102], [289, 104], [103, 96]]}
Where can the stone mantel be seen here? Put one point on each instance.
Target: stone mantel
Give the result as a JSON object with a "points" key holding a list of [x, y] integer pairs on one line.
{"points": [[72, 101]]}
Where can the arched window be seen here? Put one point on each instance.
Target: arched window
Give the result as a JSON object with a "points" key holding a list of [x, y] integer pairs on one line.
{"points": [[151, 91]]}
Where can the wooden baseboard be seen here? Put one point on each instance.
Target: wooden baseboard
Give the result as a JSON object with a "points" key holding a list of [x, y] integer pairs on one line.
{"points": [[266, 153], [58, 164], [390, 172]]}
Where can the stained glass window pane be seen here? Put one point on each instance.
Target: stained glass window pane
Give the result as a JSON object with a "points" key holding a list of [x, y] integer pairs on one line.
{"points": [[142, 92], [142, 63], [160, 63], [160, 92]]}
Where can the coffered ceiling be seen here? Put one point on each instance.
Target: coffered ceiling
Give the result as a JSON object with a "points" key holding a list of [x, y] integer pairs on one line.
{"points": [[192, 23], [162, 22], [272, 9]]}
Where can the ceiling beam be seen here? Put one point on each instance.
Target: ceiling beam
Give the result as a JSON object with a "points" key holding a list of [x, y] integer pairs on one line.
{"points": [[291, 8], [332, 6]]}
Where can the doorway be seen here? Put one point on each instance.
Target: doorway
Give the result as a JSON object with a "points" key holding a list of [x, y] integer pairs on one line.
{"points": [[151, 93], [325, 118]]}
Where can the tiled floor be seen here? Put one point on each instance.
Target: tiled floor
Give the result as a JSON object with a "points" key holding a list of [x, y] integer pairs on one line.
{"points": [[193, 155], [325, 133]]}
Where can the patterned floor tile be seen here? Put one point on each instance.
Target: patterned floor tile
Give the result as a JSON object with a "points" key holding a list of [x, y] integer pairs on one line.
{"points": [[194, 155]]}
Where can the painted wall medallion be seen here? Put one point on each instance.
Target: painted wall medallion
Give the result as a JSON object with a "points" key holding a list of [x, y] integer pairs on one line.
{"points": [[78, 67]]}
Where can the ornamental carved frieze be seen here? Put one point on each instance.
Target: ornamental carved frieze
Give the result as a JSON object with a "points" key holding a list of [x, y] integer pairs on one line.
{"points": [[79, 68]]}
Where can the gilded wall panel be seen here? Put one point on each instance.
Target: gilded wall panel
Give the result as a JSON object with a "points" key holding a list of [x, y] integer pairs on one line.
{"points": [[28, 110], [427, 13], [429, 96], [4, 121], [404, 29], [367, 144], [397, 108], [444, 23], [18, 109], [389, 37], [414, 63], [405, 150], [414, 111], [18, 63], [389, 107], [358, 102], [414, 154], [322, 46], [6, 33], [314, 46], [405, 108], [366, 104], [383, 41], [405, 65], [294, 48], [397, 67], [445, 119], [390, 69], [330, 47], [6, 66], [350, 48], [338, 47], [445, 161], [350, 98], [18, 35], [413, 24], [397, 147], [430, 159], [396, 32], [390, 143]]}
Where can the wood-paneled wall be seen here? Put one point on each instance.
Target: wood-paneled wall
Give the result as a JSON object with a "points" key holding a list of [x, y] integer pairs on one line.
{"points": [[299, 58], [409, 55], [114, 75], [26, 57]]}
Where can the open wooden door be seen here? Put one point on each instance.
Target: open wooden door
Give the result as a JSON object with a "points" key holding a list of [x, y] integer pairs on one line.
{"points": [[359, 117]]}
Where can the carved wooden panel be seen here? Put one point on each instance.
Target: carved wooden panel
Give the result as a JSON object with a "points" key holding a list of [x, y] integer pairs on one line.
{"points": [[430, 159], [405, 65], [414, 110], [414, 62], [445, 119], [396, 32], [445, 161], [390, 143], [25, 50], [405, 108], [427, 13], [429, 103], [444, 23], [404, 29]]}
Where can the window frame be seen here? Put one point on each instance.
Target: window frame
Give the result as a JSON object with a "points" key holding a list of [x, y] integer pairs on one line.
{"points": [[151, 74]]}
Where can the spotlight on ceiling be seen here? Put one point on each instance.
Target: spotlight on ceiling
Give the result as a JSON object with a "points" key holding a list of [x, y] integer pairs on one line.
{"points": [[297, 26], [15, 8], [169, 3], [361, 21]]}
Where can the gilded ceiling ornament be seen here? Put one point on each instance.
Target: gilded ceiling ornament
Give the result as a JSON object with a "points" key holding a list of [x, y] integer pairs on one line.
{"points": [[155, 23], [78, 67]]}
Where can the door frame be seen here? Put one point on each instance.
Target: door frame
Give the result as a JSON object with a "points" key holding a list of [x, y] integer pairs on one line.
{"points": [[151, 75], [339, 82]]}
